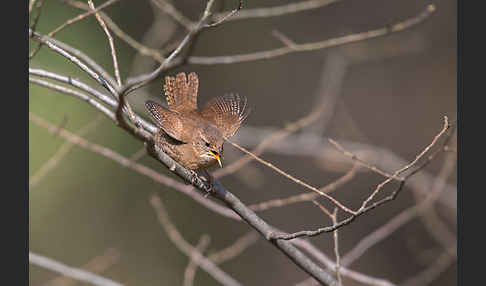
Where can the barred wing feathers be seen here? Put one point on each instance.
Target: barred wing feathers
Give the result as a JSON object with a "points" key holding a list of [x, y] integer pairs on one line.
{"points": [[226, 112]]}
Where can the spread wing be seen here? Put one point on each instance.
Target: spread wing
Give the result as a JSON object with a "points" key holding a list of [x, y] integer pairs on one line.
{"points": [[181, 93], [170, 122], [226, 112]]}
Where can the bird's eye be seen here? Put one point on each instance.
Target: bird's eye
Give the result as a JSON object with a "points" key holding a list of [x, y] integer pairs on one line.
{"points": [[207, 144]]}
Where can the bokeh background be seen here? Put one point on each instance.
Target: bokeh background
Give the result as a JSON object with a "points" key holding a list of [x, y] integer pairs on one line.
{"points": [[391, 92]]}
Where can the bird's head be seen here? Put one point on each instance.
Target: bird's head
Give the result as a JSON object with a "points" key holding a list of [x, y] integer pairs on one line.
{"points": [[209, 144]]}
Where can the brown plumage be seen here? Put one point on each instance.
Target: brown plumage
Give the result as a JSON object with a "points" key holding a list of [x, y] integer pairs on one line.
{"points": [[193, 137]]}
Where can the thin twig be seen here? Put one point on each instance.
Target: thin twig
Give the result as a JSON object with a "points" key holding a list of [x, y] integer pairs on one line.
{"points": [[186, 248], [63, 150], [362, 162], [317, 145], [142, 49], [192, 266], [72, 272], [391, 197], [100, 78], [333, 217], [336, 248], [38, 9], [315, 45], [110, 41], [97, 265], [72, 21], [235, 249], [277, 10], [97, 94], [76, 83], [292, 178], [223, 18], [75, 93], [122, 104], [348, 176], [399, 220], [139, 81], [362, 278], [139, 154], [170, 10], [408, 166]]}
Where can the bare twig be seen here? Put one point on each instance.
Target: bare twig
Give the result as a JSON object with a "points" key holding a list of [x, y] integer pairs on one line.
{"points": [[98, 265], [336, 248], [305, 196], [81, 17], [110, 41], [83, 86], [315, 45], [230, 252], [139, 81], [38, 9], [101, 78], [333, 217], [69, 271], [139, 154], [72, 21], [191, 268], [362, 162], [401, 219], [74, 82], [186, 248], [170, 10], [292, 178], [318, 146], [142, 49], [75, 93], [391, 197], [222, 18], [308, 247], [408, 166], [64, 149], [278, 10]]}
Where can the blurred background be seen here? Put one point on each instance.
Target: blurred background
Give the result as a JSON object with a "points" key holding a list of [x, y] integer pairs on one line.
{"points": [[384, 98]]}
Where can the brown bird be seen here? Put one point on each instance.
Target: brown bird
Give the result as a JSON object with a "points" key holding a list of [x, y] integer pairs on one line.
{"points": [[193, 137]]}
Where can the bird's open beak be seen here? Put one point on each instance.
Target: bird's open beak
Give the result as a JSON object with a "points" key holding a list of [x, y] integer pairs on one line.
{"points": [[218, 157]]}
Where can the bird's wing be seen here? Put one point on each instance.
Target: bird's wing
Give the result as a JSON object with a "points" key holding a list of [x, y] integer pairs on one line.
{"points": [[170, 122], [181, 93], [226, 112]]}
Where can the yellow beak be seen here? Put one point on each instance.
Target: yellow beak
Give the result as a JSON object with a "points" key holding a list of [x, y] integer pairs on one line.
{"points": [[218, 157]]}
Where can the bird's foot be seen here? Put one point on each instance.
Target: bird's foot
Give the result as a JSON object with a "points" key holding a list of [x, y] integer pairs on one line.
{"points": [[206, 182], [209, 184], [195, 179]]}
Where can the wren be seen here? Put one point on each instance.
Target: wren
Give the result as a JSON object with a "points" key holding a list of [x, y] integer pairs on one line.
{"points": [[194, 137]]}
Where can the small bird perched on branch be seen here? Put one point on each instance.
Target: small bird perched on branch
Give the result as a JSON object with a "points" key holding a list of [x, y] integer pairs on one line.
{"points": [[194, 137]]}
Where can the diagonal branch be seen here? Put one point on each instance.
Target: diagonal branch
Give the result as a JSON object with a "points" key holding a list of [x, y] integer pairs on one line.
{"points": [[75, 273], [186, 248]]}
